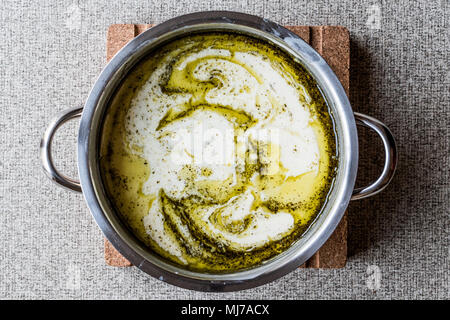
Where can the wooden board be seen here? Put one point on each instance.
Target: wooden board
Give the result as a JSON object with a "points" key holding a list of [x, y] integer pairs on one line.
{"points": [[333, 43]]}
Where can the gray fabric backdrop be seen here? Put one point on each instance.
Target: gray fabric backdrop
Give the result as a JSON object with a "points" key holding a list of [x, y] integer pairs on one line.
{"points": [[50, 57]]}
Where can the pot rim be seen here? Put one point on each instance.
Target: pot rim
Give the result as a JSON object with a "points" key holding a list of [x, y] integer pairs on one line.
{"points": [[320, 229]]}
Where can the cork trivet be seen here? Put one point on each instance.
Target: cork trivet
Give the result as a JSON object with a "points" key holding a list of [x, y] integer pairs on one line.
{"points": [[333, 43]]}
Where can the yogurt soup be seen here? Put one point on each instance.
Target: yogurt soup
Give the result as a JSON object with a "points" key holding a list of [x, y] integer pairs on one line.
{"points": [[218, 150]]}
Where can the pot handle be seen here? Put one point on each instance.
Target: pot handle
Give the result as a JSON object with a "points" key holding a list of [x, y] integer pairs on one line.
{"points": [[46, 150], [390, 162]]}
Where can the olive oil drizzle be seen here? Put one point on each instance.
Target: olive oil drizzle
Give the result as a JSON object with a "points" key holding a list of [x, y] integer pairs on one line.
{"points": [[124, 172]]}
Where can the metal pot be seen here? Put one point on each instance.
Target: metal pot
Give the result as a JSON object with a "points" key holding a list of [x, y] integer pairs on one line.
{"points": [[118, 234]]}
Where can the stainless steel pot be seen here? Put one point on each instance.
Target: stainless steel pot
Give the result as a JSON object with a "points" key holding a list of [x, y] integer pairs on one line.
{"points": [[126, 243]]}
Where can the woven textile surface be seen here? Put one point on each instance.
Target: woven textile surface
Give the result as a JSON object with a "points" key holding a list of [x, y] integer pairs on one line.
{"points": [[398, 240]]}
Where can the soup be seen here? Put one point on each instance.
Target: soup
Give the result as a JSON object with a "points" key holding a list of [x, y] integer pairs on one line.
{"points": [[218, 151]]}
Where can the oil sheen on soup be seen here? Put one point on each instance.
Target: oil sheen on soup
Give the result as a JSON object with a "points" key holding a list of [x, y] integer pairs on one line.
{"points": [[218, 151]]}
